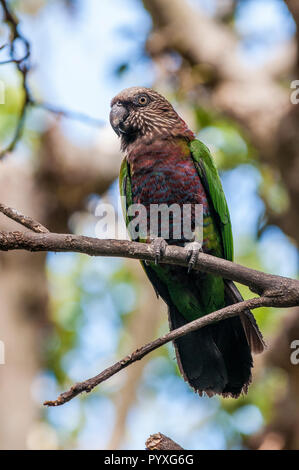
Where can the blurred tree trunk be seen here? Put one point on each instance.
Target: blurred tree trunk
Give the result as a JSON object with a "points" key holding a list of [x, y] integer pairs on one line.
{"points": [[23, 313], [50, 193], [282, 433]]}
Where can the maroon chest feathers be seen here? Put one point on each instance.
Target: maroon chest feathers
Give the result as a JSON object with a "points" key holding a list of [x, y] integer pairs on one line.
{"points": [[165, 174]]}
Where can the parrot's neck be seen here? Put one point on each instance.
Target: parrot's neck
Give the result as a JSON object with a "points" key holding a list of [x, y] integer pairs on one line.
{"points": [[156, 137]]}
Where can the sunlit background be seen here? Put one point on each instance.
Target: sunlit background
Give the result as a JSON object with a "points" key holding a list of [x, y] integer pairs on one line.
{"points": [[97, 309]]}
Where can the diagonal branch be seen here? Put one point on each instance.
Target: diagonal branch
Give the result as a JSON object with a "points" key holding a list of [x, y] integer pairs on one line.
{"points": [[227, 312], [23, 219], [75, 115]]}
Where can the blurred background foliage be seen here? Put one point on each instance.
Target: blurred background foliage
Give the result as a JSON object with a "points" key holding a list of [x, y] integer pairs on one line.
{"points": [[94, 311]]}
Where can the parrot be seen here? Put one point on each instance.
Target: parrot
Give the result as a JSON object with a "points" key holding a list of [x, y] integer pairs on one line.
{"points": [[164, 163]]}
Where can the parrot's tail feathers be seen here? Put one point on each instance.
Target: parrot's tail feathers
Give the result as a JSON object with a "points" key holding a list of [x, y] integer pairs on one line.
{"points": [[215, 359], [252, 331]]}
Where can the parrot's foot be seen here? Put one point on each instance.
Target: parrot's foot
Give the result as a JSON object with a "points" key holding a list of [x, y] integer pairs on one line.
{"points": [[193, 250], [159, 247]]}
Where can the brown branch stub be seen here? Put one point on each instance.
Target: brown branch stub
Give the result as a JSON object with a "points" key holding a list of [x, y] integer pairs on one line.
{"points": [[24, 220], [159, 441]]}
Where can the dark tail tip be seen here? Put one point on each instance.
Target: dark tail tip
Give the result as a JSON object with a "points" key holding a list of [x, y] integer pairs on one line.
{"points": [[215, 359]]}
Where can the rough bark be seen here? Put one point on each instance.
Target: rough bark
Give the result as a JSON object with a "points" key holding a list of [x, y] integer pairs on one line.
{"points": [[283, 291]]}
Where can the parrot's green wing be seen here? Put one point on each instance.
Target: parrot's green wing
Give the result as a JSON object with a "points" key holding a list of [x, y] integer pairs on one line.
{"points": [[125, 189], [211, 181]]}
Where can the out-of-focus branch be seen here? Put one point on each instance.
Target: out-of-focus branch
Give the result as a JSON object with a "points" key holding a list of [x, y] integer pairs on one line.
{"points": [[159, 441], [248, 95], [13, 23], [75, 115], [293, 6], [23, 65], [199, 39]]}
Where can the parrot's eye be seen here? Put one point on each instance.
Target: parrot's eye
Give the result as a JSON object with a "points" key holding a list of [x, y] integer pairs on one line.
{"points": [[142, 100]]}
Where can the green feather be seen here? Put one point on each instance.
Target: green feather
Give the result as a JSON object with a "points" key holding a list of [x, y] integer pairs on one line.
{"points": [[125, 189], [209, 176]]}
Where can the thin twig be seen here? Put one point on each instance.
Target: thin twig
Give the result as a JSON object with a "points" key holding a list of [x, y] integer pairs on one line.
{"points": [[77, 116], [8, 61], [23, 219], [23, 65]]}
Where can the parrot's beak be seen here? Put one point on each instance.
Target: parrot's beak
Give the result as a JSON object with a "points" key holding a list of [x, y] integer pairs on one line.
{"points": [[118, 115]]}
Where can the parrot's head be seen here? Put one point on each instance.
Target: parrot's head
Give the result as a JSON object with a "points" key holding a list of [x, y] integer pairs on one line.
{"points": [[143, 113]]}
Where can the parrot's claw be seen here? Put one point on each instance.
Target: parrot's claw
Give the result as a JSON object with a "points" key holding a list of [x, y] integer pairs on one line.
{"points": [[159, 247], [193, 250]]}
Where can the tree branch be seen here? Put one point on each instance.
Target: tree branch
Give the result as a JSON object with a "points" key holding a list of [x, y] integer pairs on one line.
{"points": [[274, 291], [75, 115], [23, 219], [227, 312], [285, 290]]}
